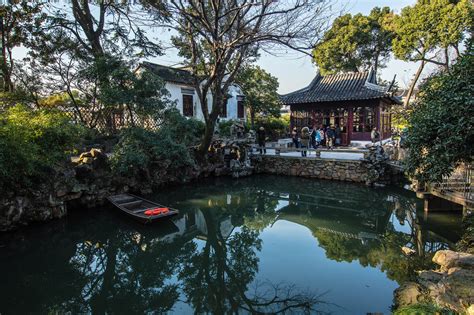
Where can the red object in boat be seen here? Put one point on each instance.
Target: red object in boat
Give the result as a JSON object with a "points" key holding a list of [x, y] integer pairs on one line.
{"points": [[148, 212], [157, 211]]}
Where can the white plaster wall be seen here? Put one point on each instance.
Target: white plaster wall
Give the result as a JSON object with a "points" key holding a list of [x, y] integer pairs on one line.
{"points": [[177, 97]]}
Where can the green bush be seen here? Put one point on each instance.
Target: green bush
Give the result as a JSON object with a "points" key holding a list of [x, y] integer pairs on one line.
{"points": [[441, 123], [225, 127], [275, 127], [422, 309], [32, 143], [139, 151]]}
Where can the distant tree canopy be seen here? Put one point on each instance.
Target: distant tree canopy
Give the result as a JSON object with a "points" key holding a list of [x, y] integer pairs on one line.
{"points": [[427, 31], [260, 89], [441, 124], [356, 43]]}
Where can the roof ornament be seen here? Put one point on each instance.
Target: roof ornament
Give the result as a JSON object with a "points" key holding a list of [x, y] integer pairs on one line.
{"points": [[371, 84]]}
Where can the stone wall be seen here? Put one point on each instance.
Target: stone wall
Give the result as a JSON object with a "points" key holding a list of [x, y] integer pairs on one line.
{"points": [[87, 181], [344, 170]]}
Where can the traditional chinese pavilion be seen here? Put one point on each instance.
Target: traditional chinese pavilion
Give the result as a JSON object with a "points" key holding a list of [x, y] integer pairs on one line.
{"points": [[354, 101]]}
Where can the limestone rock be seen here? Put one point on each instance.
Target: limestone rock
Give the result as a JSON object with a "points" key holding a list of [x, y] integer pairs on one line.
{"points": [[448, 259], [408, 251], [470, 310], [84, 155], [408, 294], [96, 152]]}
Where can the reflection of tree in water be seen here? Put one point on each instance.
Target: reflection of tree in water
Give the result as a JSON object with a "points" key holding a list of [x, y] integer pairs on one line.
{"points": [[384, 253], [217, 278], [126, 274], [107, 268]]}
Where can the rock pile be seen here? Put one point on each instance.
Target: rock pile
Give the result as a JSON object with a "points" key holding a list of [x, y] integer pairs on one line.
{"points": [[378, 171], [451, 286]]}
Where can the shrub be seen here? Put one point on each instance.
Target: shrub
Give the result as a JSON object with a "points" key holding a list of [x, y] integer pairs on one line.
{"points": [[275, 127], [32, 143], [225, 127], [139, 151], [422, 309], [441, 124]]}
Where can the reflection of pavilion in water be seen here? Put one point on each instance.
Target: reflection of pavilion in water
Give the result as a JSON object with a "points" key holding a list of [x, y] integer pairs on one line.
{"points": [[367, 221]]}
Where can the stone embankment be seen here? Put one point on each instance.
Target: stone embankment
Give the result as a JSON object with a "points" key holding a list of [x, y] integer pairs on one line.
{"points": [[85, 183], [451, 286], [372, 171], [88, 180]]}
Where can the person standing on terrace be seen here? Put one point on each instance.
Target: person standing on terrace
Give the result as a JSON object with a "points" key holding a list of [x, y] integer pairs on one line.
{"points": [[261, 140], [305, 140]]}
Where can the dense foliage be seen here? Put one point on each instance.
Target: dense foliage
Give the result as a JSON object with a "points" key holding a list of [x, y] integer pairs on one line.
{"points": [[356, 42], [275, 127], [260, 88], [32, 143], [441, 124], [140, 151]]}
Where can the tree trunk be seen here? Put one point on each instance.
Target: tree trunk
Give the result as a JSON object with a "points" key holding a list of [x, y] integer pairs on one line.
{"points": [[252, 118], [211, 119], [413, 83], [206, 140], [446, 58], [376, 64], [5, 72]]}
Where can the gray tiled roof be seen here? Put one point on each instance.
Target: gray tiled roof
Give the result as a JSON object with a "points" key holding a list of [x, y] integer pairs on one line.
{"points": [[169, 74], [338, 87]]}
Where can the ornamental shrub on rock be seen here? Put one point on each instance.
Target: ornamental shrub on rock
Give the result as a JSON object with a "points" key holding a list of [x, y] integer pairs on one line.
{"points": [[32, 144], [140, 152]]}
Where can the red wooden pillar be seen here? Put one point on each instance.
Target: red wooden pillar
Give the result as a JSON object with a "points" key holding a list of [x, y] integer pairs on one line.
{"points": [[378, 118], [291, 119], [350, 124]]}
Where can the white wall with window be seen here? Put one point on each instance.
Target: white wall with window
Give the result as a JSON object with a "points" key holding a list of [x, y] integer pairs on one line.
{"points": [[187, 102]]}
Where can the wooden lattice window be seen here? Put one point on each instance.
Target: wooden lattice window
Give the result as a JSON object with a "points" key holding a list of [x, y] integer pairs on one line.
{"points": [[188, 107], [240, 109], [364, 119], [224, 109]]}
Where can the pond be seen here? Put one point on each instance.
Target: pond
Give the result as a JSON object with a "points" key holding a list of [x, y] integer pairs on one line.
{"points": [[262, 243]]}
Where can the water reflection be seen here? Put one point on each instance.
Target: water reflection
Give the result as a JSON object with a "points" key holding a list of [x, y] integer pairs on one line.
{"points": [[208, 258]]}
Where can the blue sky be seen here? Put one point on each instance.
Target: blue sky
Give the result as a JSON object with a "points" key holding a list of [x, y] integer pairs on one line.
{"points": [[295, 71]]}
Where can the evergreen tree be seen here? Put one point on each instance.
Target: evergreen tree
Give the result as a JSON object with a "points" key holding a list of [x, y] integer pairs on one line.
{"points": [[260, 89], [356, 43]]}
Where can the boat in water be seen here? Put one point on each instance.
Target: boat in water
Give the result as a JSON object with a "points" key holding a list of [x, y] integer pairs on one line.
{"points": [[140, 209]]}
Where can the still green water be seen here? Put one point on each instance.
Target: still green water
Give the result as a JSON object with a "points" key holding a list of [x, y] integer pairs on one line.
{"points": [[263, 243]]}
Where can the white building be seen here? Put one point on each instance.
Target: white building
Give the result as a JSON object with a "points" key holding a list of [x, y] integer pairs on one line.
{"points": [[179, 83]]}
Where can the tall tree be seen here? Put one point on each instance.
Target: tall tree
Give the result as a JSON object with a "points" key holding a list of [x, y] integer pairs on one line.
{"points": [[260, 89], [79, 38], [218, 37], [356, 43], [18, 21], [428, 30]]}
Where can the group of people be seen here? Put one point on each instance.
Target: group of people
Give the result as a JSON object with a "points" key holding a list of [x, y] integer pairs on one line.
{"points": [[313, 137]]}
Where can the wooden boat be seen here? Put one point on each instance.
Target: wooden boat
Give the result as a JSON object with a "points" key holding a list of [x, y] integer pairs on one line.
{"points": [[135, 207]]}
